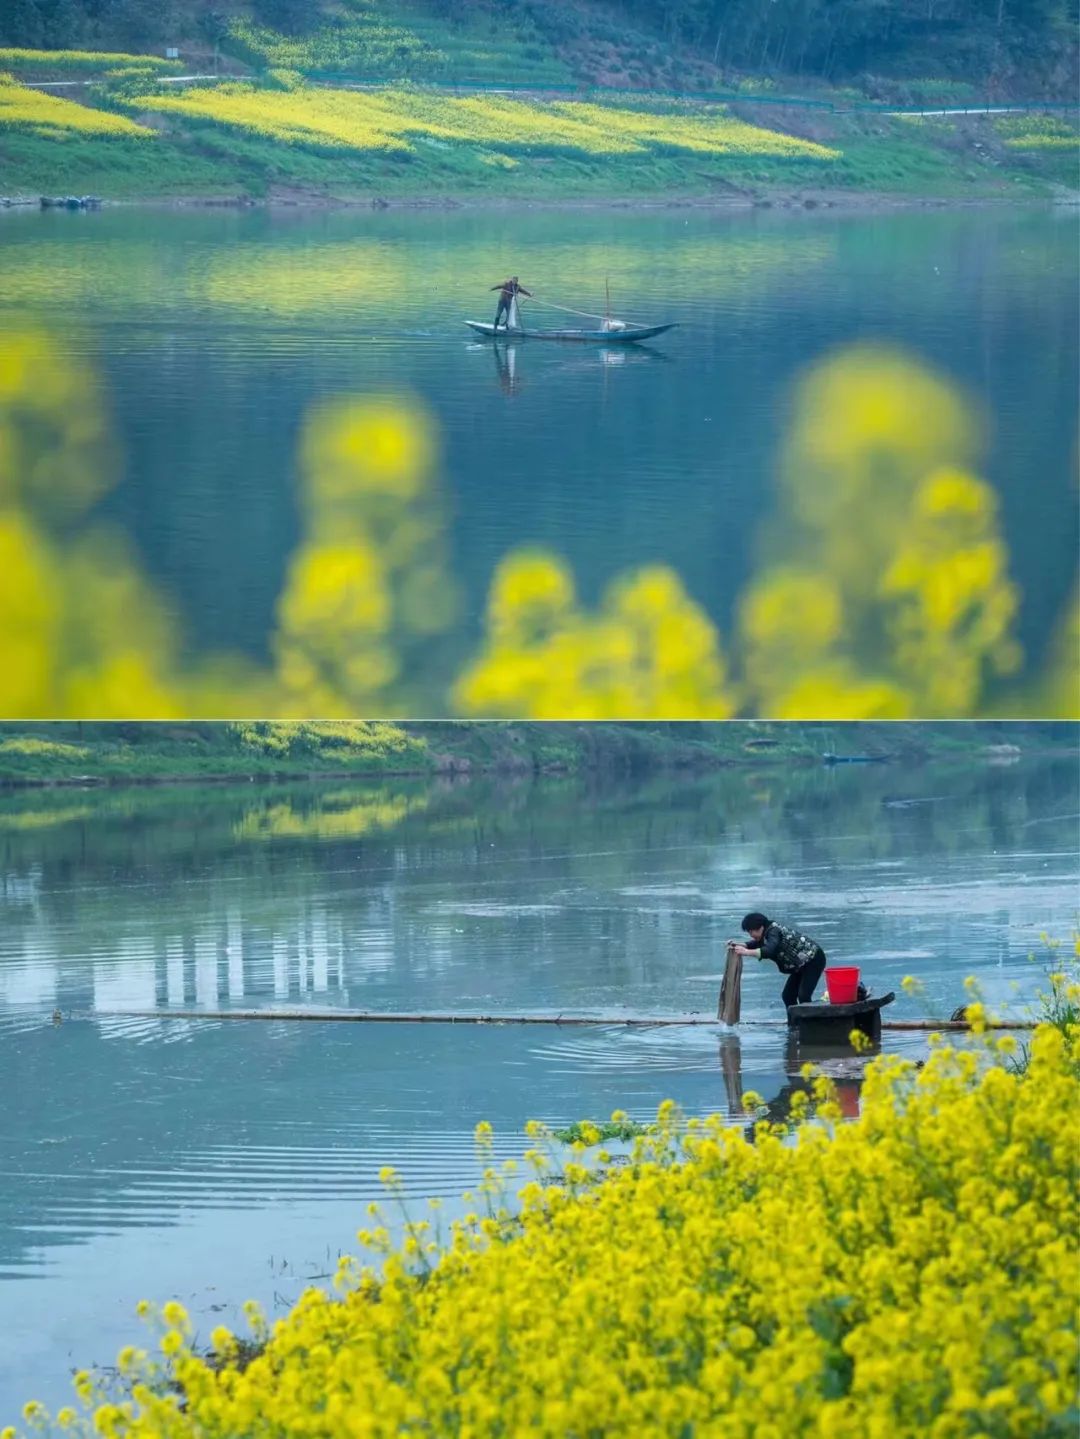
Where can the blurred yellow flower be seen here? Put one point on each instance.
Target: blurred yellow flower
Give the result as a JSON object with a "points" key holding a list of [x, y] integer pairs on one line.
{"points": [[883, 592]]}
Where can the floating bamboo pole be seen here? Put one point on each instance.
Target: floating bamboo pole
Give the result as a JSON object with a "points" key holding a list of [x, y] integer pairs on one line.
{"points": [[363, 1016]]}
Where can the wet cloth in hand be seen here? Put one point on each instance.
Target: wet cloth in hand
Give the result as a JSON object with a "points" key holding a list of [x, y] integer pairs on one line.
{"points": [[730, 1006]]}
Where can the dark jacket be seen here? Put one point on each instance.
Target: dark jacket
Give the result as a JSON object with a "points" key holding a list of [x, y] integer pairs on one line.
{"points": [[789, 950], [510, 288]]}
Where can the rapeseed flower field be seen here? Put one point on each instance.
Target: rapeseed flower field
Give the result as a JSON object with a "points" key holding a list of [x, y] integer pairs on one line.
{"points": [[52, 117], [362, 38], [72, 62], [284, 126], [1039, 132], [396, 119], [363, 41], [909, 1274]]}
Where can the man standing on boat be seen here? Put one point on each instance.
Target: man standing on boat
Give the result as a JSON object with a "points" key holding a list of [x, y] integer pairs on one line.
{"points": [[798, 956], [508, 292]]}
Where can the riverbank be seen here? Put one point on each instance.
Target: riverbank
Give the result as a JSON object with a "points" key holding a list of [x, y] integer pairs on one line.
{"points": [[286, 199], [79, 754], [137, 139]]}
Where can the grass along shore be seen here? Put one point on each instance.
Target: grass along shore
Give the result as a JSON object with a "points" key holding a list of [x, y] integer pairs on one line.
{"points": [[74, 753], [133, 136]]}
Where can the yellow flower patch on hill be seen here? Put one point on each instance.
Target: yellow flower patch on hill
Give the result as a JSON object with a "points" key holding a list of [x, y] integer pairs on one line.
{"points": [[391, 120], [49, 115], [67, 62]]}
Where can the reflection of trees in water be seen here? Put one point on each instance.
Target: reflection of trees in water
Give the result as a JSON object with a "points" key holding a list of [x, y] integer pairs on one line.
{"points": [[789, 815], [184, 896]]}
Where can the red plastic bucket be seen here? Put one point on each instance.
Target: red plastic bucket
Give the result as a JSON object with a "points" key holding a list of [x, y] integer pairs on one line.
{"points": [[847, 1096], [843, 985]]}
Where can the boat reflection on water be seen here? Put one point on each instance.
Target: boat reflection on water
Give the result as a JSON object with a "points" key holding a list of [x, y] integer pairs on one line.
{"points": [[510, 375], [843, 1067]]}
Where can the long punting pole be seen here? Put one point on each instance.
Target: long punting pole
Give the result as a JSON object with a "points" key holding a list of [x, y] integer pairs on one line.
{"points": [[363, 1016]]}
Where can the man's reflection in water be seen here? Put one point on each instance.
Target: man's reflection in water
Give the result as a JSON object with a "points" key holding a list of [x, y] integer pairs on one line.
{"points": [[777, 1110], [573, 359], [506, 368]]}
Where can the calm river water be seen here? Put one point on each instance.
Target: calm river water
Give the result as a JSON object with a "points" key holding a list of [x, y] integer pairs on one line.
{"points": [[217, 1160], [215, 331]]}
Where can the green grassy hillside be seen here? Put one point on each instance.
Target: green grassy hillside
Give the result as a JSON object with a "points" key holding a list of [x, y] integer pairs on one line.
{"points": [[131, 134]]}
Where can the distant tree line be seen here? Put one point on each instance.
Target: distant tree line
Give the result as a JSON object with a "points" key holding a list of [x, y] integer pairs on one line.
{"points": [[833, 39], [978, 40], [74, 24]]}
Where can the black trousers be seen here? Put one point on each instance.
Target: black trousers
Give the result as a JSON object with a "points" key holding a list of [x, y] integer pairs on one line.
{"points": [[801, 985], [504, 309]]}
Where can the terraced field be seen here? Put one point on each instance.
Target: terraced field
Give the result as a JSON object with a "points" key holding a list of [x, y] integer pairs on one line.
{"points": [[280, 132], [395, 120]]}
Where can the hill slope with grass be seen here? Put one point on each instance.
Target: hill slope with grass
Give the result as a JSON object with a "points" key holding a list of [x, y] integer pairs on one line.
{"points": [[132, 133], [379, 100], [1005, 47]]}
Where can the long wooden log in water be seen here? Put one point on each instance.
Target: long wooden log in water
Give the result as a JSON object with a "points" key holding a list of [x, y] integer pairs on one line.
{"points": [[935, 1024], [363, 1016]]}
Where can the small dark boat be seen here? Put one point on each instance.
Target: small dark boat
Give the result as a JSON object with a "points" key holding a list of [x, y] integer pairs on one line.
{"points": [[853, 759], [627, 335], [832, 1023]]}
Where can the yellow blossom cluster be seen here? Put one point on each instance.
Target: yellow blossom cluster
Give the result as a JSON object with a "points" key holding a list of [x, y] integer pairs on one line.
{"points": [[369, 587], [333, 819], [910, 1274], [1039, 132], [366, 38], [66, 592], [391, 120], [649, 651], [31, 747], [49, 115], [352, 738], [892, 596], [82, 631], [19, 60], [883, 589]]}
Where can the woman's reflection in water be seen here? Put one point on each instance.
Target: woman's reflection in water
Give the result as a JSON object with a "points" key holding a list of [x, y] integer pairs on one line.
{"points": [[777, 1110]]}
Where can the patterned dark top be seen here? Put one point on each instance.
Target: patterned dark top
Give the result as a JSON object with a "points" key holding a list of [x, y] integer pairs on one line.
{"points": [[787, 948]]}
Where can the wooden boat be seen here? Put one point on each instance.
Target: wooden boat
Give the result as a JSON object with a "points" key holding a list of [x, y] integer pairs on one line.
{"points": [[628, 335], [832, 1023]]}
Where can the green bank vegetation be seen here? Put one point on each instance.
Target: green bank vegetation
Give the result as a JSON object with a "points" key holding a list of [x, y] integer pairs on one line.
{"points": [[131, 135], [86, 752]]}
